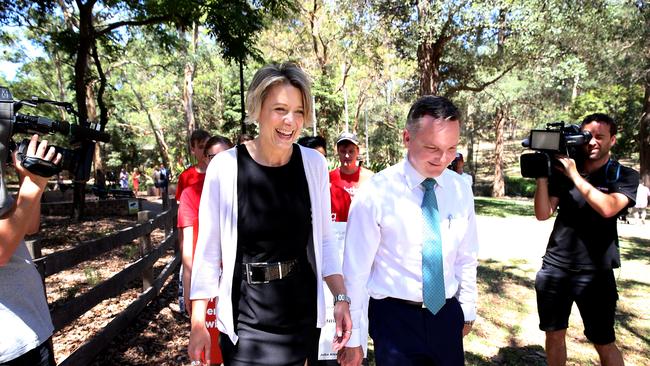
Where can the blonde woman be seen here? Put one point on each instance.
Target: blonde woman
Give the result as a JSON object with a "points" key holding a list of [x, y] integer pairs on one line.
{"points": [[264, 242]]}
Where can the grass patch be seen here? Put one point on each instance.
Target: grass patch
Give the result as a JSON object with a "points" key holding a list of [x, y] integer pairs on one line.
{"points": [[520, 186], [502, 207]]}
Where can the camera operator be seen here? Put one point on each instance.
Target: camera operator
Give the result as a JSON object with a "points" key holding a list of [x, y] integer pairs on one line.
{"points": [[583, 247], [24, 313]]}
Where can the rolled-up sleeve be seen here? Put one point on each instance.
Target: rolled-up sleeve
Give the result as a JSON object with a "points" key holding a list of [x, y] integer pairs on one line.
{"points": [[206, 270]]}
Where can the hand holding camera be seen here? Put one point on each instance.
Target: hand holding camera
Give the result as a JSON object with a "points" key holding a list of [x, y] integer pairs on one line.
{"points": [[36, 161]]}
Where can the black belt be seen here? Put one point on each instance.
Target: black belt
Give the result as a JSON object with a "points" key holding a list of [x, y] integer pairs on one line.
{"points": [[264, 272], [412, 303], [407, 302]]}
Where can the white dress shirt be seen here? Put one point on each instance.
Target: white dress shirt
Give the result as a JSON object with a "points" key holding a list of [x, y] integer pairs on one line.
{"points": [[383, 242], [216, 246]]}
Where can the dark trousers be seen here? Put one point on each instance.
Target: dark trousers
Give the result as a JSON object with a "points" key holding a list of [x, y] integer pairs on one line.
{"points": [[405, 334], [39, 356]]}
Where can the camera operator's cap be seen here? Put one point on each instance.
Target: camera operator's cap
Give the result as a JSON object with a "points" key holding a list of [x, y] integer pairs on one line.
{"points": [[348, 136]]}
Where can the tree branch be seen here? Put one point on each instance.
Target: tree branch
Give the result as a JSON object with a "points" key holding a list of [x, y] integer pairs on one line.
{"points": [[110, 27], [480, 87]]}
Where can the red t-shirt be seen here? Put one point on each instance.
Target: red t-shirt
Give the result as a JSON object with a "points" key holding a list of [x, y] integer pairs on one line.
{"points": [[340, 203], [188, 215], [188, 208], [188, 177], [349, 182]]}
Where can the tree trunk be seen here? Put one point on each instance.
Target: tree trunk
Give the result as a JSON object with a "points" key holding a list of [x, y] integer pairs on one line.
{"points": [[86, 35], [498, 184], [644, 134], [429, 52], [60, 83], [155, 127], [188, 86]]}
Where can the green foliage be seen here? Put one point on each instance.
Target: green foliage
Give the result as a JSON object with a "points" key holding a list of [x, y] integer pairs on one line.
{"points": [[624, 104], [520, 187], [502, 207], [93, 277]]}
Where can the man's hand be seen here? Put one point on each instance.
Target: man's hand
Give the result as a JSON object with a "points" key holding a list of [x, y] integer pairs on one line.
{"points": [[343, 325], [466, 329], [567, 166], [350, 356]]}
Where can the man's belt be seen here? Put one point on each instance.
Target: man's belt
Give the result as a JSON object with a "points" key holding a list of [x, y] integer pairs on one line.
{"points": [[264, 272]]}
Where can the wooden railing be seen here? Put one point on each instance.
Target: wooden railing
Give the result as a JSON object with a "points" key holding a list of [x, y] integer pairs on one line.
{"points": [[65, 313]]}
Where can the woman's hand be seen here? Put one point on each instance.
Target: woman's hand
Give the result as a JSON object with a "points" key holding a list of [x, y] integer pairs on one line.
{"points": [[199, 347]]}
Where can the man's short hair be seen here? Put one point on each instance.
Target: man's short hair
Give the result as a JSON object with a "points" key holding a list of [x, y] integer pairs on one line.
{"points": [[431, 105], [602, 118], [216, 140], [313, 142], [198, 136]]}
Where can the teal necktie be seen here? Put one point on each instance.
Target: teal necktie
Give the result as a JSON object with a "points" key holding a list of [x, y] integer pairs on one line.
{"points": [[433, 281]]}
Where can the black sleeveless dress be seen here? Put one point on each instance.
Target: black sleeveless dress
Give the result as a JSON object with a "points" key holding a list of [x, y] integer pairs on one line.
{"points": [[275, 321]]}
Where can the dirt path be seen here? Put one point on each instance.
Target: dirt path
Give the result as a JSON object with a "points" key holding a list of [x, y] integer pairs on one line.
{"points": [[160, 335]]}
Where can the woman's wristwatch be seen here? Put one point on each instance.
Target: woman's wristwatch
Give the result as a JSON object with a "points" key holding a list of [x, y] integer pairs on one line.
{"points": [[469, 322], [341, 297]]}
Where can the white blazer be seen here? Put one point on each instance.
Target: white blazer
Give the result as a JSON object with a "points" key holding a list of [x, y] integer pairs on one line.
{"points": [[216, 247]]}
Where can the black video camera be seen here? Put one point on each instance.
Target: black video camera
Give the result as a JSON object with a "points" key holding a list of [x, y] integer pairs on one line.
{"points": [[555, 139], [77, 160]]}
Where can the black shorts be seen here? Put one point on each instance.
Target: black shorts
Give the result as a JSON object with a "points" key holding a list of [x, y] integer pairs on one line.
{"points": [[593, 291]]}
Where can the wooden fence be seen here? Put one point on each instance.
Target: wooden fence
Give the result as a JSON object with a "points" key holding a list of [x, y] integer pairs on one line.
{"points": [[64, 314]]}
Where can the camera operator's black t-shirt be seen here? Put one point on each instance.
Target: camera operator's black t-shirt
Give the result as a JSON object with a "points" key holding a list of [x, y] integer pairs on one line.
{"points": [[581, 237]]}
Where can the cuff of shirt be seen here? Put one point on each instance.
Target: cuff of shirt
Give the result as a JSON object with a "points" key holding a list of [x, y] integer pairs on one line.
{"points": [[355, 338], [469, 311]]}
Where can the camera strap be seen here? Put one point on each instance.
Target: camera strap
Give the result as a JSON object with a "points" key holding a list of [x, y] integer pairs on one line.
{"points": [[612, 171], [39, 166]]}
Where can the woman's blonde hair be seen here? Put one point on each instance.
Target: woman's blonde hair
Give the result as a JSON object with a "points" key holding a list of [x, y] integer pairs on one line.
{"points": [[272, 75]]}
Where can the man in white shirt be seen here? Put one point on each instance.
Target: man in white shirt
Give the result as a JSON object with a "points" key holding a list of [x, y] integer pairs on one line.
{"points": [[414, 249]]}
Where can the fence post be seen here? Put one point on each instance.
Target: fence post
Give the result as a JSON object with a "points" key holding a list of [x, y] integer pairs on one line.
{"points": [[34, 247], [170, 223], [145, 247]]}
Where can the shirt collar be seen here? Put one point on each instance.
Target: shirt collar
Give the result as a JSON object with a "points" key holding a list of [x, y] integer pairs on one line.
{"points": [[414, 179]]}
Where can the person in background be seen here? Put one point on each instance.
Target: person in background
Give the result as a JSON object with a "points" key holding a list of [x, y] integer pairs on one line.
{"points": [[24, 314], [457, 165], [340, 199], [135, 178], [243, 137], [188, 222], [642, 194], [165, 176], [350, 175], [196, 172], [124, 179], [265, 242], [583, 249], [412, 245], [190, 176]]}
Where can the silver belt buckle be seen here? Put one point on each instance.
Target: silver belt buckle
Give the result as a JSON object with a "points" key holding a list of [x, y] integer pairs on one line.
{"points": [[249, 273]]}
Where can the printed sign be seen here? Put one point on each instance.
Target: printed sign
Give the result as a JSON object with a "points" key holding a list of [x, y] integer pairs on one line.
{"points": [[327, 333], [133, 207]]}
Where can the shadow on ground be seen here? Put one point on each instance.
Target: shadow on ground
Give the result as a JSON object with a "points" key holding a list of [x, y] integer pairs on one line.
{"points": [[532, 355], [495, 275], [634, 248]]}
